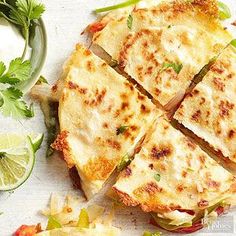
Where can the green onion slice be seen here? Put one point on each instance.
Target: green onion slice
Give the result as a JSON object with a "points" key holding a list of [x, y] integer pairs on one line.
{"points": [[117, 6], [233, 43], [224, 11], [83, 221], [53, 223]]}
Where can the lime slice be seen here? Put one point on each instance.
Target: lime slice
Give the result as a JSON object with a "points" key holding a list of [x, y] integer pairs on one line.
{"points": [[17, 158]]}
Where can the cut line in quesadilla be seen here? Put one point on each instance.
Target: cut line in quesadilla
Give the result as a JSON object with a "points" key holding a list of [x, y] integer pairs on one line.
{"points": [[166, 45], [102, 119], [174, 180], [209, 111]]}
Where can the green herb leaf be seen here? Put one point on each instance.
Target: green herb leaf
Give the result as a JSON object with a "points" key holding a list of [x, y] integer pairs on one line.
{"points": [[224, 11], [2, 68], [42, 80], [13, 105], [130, 21], [157, 177], [83, 221], [176, 67], [30, 9], [121, 129], [53, 223], [120, 5], [18, 71], [125, 161], [233, 43], [147, 233]]}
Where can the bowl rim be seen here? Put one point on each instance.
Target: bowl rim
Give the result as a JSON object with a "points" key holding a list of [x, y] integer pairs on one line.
{"points": [[35, 73]]}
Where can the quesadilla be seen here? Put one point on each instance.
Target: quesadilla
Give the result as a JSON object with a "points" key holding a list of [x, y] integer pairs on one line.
{"points": [[102, 119], [175, 181], [166, 45], [209, 111]]}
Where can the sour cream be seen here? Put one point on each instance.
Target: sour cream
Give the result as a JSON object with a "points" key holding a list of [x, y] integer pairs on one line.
{"points": [[12, 42]]}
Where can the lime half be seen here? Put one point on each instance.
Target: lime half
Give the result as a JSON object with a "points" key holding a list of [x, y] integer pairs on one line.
{"points": [[17, 158]]}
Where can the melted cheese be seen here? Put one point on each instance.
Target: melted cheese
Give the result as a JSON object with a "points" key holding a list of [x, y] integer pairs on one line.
{"points": [[188, 178], [146, 52], [210, 110], [95, 102], [178, 32]]}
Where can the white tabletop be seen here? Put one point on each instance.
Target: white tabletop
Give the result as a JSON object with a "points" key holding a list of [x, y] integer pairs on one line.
{"points": [[64, 20]]}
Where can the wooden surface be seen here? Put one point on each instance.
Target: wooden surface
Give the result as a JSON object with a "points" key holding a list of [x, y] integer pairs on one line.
{"points": [[64, 20]]}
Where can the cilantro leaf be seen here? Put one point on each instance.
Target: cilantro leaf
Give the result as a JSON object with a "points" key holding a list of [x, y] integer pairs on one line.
{"points": [[18, 71], [13, 105], [30, 9], [2, 68], [121, 129], [176, 66], [157, 177], [130, 21]]}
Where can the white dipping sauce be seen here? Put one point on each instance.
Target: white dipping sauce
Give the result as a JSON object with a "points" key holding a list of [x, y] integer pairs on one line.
{"points": [[12, 42]]}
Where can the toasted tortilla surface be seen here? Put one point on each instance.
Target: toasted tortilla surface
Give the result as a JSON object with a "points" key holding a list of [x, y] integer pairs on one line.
{"points": [[171, 176], [209, 111], [167, 45], [102, 118]]}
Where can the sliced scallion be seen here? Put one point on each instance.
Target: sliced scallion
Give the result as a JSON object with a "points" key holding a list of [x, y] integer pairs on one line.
{"points": [[233, 43], [117, 6], [224, 11]]}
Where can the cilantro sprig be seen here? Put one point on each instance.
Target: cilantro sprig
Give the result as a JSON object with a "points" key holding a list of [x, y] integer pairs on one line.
{"points": [[11, 98], [22, 14], [122, 129]]}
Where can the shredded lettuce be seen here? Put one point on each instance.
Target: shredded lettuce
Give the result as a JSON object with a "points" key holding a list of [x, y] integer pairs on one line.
{"points": [[166, 223]]}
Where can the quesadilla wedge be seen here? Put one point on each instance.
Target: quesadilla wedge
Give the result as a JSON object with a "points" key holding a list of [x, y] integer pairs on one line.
{"points": [[209, 111], [102, 119], [174, 180], [166, 45]]}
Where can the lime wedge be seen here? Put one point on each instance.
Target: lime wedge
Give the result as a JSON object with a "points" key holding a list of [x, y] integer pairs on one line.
{"points": [[17, 158]]}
